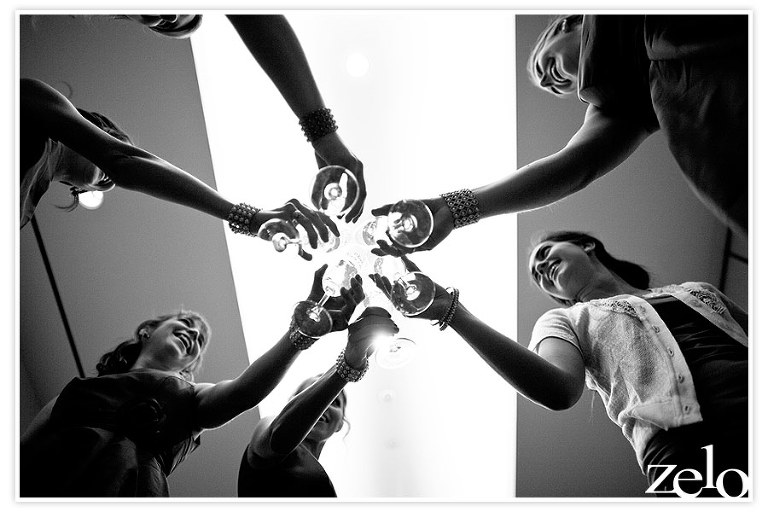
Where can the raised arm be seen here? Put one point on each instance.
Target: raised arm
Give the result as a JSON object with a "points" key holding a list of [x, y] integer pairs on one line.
{"points": [[553, 378], [599, 146], [278, 436], [135, 169], [219, 403], [274, 45]]}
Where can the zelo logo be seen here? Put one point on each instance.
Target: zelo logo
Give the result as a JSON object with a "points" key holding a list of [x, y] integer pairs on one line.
{"points": [[710, 481]]}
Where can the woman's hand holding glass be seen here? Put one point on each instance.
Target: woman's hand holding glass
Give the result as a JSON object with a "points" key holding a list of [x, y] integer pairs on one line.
{"points": [[331, 151], [373, 324], [338, 308], [284, 225], [436, 309], [441, 225]]}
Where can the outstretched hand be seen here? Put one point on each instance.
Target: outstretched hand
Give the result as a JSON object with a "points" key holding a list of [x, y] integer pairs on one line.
{"points": [[373, 323], [443, 225], [330, 150], [442, 301], [342, 307], [315, 224]]}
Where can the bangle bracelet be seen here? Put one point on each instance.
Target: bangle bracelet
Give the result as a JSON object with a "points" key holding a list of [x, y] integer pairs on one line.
{"points": [[464, 207], [446, 320], [239, 218], [318, 123], [298, 340], [348, 373]]}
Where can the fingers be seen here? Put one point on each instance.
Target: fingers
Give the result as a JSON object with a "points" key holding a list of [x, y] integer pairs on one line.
{"points": [[386, 249], [382, 283], [329, 223], [409, 265], [317, 283], [302, 215], [304, 254], [381, 210]]}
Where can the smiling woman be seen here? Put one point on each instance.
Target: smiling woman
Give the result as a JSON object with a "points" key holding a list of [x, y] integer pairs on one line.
{"points": [[122, 433]]}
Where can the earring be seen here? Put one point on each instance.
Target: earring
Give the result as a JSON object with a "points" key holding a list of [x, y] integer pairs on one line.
{"points": [[143, 334]]}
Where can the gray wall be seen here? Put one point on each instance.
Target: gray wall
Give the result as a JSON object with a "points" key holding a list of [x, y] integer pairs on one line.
{"points": [[643, 211], [135, 257]]}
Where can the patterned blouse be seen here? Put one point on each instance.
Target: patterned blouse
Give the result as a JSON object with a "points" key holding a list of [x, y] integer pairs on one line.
{"points": [[631, 358]]}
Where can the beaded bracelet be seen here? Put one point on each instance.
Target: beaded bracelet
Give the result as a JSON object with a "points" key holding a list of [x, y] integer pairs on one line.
{"points": [[464, 207], [298, 340], [318, 123], [239, 218], [446, 320], [348, 373]]}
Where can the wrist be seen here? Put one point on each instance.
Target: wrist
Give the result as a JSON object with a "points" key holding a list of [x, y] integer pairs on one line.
{"points": [[464, 207], [317, 124], [240, 219]]}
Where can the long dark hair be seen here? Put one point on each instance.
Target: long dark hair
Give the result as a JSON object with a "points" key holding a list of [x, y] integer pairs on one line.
{"points": [[108, 126], [122, 358], [634, 274]]}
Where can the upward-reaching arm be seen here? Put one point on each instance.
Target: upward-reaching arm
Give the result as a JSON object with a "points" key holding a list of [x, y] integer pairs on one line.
{"points": [[554, 378], [219, 403], [274, 45], [133, 168], [600, 145]]}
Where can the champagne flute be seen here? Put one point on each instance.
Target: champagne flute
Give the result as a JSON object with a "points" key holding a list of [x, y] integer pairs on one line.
{"points": [[335, 190]]}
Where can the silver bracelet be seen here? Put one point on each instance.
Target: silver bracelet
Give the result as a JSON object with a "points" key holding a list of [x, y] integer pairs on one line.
{"points": [[298, 340], [239, 218], [348, 373], [464, 207]]}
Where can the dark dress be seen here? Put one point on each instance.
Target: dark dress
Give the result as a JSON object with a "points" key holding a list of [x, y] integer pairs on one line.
{"points": [[688, 76], [719, 367], [298, 475], [112, 436]]}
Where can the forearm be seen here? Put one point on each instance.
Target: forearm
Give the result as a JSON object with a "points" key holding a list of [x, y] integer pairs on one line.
{"points": [[225, 400], [601, 144], [297, 418], [274, 45], [531, 375], [538, 184], [143, 172]]}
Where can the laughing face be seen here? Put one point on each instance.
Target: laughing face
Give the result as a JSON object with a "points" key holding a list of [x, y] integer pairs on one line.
{"points": [[562, 269], [175, 343]]}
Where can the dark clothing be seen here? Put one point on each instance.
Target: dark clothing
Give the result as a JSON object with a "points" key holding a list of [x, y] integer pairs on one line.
{"points": [[688, 76], [298, 475], [112, 436], [719, 368]]}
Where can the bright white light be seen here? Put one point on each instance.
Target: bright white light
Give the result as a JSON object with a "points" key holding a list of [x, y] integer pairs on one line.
{"points": [[436, 119], [91, 200], [357, 64]]}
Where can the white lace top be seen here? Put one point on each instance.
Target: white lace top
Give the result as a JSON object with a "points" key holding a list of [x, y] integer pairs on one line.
{"points": [[631, 358]]}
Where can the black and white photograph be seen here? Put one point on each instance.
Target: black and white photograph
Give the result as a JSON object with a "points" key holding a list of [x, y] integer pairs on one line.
{"points": [[393, 255]]}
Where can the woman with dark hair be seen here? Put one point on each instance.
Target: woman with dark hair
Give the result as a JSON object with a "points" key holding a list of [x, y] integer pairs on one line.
{"points": [[122, 433], [685, 75], [669, 362], [282, 459], [88, 152]]}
